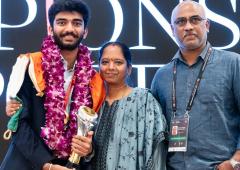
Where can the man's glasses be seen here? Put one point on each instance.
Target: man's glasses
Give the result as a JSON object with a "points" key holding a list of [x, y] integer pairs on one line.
{"points": [[194, 20]]}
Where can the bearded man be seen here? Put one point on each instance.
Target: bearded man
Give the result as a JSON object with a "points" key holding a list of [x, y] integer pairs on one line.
{"points": [[59, 80]]}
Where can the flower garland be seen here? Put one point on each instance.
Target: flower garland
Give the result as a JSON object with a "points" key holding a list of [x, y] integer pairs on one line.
{"points": [[56, 134]]}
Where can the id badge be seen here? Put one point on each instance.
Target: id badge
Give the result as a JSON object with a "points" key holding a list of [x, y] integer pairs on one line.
{"points": [[178, 134]]}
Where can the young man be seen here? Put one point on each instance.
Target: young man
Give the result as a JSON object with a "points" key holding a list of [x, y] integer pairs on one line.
{"points": [[59, 80], [199, 91]]}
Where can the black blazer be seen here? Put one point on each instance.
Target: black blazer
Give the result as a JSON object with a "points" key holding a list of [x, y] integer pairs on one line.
{"points": [[27, 150]]}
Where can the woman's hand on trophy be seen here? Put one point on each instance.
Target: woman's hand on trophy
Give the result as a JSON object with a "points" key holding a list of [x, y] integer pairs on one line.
{"points": [[82, 145], [49, 166], [58, 167], [12, 106]]}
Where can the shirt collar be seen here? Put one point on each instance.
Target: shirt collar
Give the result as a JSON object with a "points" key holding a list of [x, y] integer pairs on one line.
{"points": [[178, 55], [65, 65]]}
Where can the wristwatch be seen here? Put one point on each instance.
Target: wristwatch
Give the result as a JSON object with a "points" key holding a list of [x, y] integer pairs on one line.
{"points": [[235, 164]]}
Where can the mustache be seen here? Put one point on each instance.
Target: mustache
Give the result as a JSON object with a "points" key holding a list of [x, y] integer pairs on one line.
{"points": [[69, 33], [190, 33]]}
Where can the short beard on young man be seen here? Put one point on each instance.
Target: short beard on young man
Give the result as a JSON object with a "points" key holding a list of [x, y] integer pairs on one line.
{"points": [[69, 47]]}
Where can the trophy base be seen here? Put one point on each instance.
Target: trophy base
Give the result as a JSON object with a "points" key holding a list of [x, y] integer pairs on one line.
{"points": [[73, 161], [71, 165]]}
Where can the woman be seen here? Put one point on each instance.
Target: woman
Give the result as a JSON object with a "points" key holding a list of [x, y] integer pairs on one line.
{"points": [[131, 126], [130, 132]]}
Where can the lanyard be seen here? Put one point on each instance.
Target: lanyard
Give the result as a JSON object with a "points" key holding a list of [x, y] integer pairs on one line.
{"points": [[196, 85]]}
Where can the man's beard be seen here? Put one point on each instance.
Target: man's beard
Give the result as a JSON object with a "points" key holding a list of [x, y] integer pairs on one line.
{"points": [[68, 47]]}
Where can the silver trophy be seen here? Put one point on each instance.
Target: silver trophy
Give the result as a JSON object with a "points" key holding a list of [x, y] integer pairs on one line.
{"points": [[86, 120]]}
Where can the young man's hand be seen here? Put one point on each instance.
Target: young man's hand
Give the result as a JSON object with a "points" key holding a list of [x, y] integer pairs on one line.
{"points": [[12, 106], [82, 145]]}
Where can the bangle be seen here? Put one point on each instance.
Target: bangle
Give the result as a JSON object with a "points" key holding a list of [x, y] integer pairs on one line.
{"points": [[50, 166]]}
